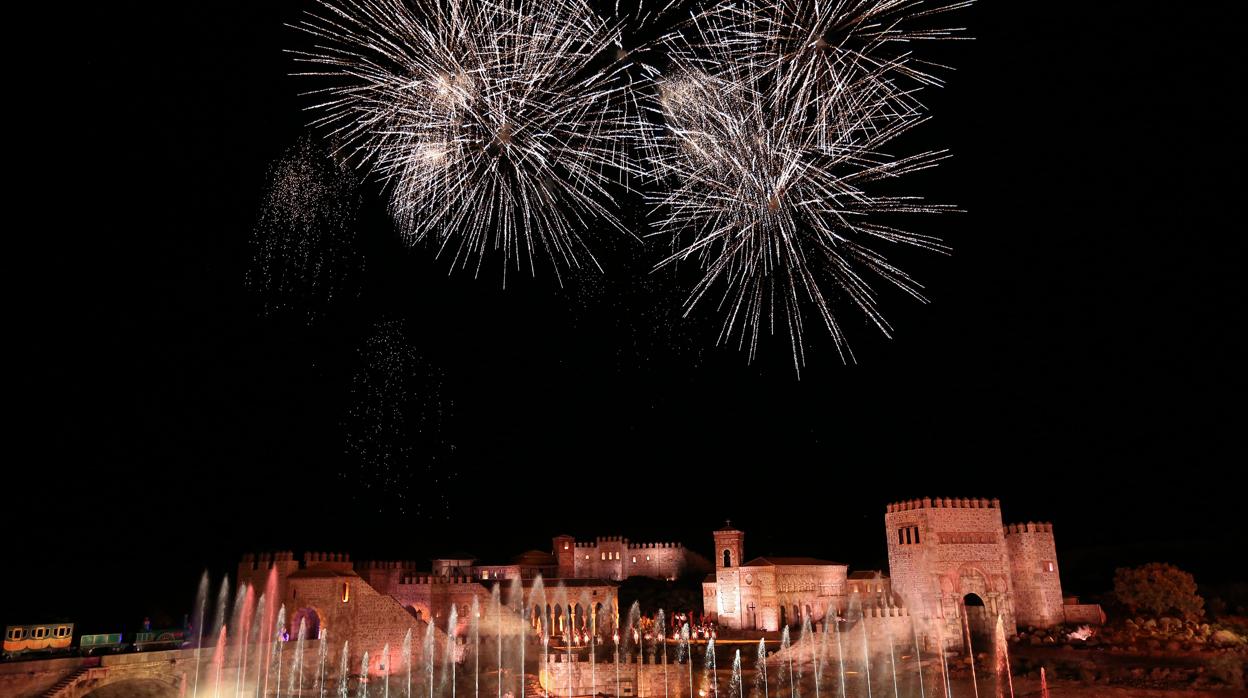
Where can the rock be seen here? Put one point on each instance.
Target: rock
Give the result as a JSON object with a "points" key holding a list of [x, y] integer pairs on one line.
{"points": [[1226, 638]]}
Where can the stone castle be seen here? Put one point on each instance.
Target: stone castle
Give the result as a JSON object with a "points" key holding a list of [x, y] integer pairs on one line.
{"points": [[953, 566]]}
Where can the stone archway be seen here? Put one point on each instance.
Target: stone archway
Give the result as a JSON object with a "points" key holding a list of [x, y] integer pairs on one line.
{"points": [[311, 623], [979, 621]]}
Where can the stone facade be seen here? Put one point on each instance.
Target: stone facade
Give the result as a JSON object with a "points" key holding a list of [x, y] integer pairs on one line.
{"points": [[373, 603], [768, 593], [618, 558], [955, 564]]}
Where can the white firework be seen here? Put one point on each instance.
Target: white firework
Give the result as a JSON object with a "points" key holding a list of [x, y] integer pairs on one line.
{"points": [[776, 189], [500, 126]]}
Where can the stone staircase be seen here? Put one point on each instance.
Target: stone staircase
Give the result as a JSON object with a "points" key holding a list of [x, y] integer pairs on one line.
{"points": [[64, 685]]}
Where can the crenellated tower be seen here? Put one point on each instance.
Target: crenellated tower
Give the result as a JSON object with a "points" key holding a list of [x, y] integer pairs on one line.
{"points": [[1033, 568]]}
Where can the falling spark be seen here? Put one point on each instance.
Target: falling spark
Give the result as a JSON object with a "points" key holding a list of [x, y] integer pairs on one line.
{"points": [[304, 253]]}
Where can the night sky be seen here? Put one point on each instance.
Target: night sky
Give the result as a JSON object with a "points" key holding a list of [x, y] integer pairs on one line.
{"points": [[1078, 358]]}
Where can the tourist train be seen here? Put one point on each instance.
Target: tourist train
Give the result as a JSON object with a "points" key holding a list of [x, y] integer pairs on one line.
{"points": [[46, 639]]}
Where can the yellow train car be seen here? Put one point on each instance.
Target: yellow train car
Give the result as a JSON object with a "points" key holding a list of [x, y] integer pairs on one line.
{"points": [[44, 637]]}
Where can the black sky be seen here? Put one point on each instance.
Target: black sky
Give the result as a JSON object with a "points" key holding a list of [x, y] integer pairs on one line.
{"points": [[1079, 358]]}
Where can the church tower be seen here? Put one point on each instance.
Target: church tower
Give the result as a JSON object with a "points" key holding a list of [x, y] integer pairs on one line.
{"points": [[729, 551], [729, 547]]}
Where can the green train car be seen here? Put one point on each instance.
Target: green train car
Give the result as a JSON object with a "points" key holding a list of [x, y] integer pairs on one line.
{"points": [[49, 638], [167, 639], [105, 642]]}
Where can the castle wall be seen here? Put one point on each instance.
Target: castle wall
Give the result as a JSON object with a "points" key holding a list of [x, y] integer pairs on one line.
{"points": [[367, 619], [1034, 573], [940, 551], [561, 677], [617, 558]]}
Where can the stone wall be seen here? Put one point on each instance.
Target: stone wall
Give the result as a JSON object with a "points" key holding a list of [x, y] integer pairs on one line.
{"points": [[1037, 585], [941, 551], [617, 558], [636, 678], [1083, 614]]}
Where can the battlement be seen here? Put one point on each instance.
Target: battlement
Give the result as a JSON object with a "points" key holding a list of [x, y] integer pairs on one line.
{"points": [[258, 560], [621, 539], [310, 557], [386, 565], [1029, 527], [885, 611], [944, 503], [434, 579]]}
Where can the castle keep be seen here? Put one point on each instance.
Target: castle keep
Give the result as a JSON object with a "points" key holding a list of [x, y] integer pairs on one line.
{"points": [[950, 557]]}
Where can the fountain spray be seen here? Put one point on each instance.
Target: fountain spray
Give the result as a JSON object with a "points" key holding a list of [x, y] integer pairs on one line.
{"points": [[201, 607], [711, 668], [1003, 657], [322, 655], [662, 625], [452, 625], [970, 648], [344, 675], [363, 692], [476, 648], [918, 654], [760, 667], [407, 661], [687, 651], [385, 669]]}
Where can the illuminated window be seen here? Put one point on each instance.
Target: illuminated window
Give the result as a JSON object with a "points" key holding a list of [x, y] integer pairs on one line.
{"points": [[1049, 567], [565, 545], [346, 592], [40, 633], [586, 556], [604, 556], [634, 559], [647, 558], [15, 634]]}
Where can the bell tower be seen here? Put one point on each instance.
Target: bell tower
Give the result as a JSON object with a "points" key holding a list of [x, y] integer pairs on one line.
{"points": [[729, 547]]}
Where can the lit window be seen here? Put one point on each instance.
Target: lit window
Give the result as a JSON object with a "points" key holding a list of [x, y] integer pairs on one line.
{"points": [[1049, 567], [346, 592], [604, 556], [565, 545], [634, 559], [586, 556], [647, 558]]}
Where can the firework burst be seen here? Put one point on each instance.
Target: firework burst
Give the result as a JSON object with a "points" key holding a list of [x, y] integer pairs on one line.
{"points": [[778, 190], [831, 50], [500, 126]]}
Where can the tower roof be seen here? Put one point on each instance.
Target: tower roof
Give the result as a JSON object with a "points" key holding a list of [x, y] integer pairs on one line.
{"points": [[727, 527]]}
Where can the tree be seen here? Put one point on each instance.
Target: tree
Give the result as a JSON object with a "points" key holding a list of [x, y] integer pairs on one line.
{"points": [[1158, 588]]}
